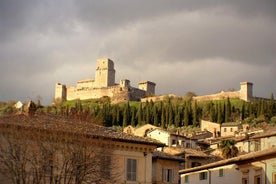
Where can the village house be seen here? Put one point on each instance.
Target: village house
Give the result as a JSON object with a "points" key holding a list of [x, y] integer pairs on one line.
{"points": [[171, 139], [222, 130], [253, 168], [139, 131], [165, 168], [192, 157], [258, 141], [112, 157]]}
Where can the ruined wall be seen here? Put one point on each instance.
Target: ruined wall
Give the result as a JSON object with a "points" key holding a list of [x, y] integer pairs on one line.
{"points": [[159, 98], [218, 96]]}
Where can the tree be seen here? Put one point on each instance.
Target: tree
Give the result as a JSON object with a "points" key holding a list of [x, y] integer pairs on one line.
{"points": [[228, 148], [186, 116], [139, 115], [227, 110], [195, 114], [45, 157]]}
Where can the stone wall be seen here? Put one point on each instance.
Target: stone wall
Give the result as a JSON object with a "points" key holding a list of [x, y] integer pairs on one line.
{"points": [[210, 126], [218, 96]]}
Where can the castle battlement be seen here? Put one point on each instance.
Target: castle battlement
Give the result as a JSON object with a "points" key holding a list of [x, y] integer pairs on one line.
{"points": [[104, 85]]}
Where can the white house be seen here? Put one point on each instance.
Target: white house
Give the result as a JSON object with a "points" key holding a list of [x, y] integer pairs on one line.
{"points": [[253, 168], [171, 139]]}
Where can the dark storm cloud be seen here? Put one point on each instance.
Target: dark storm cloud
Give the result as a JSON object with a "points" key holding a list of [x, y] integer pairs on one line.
{"points": [[59, 41]]}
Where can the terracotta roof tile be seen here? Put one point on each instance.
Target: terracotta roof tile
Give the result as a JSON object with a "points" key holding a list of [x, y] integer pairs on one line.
{"points": [[54, 123]]}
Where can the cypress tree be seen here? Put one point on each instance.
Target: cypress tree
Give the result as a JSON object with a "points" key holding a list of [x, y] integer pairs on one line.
{"points": [[133, 112], [163, 116], [177, 119], [212, 113], [126, 115], [227, 110], [140, 115], [155, 116], [186, 116], [195, 114], [219, 118], [243, 111], [170, 114]]}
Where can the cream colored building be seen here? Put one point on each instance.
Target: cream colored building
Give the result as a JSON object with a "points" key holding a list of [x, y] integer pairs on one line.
{"points": [[165, 168], [104, 85], [221, 130], [139, 131], [171, 139], [253, 168]]}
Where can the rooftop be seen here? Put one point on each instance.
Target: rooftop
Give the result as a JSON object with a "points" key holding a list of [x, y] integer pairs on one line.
{"points": [[55, 123], [254, 156]]}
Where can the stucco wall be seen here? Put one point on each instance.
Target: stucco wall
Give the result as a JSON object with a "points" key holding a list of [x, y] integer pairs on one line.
{"points": [[158, 165], [160, 135], [209, 126], [231, 176]]}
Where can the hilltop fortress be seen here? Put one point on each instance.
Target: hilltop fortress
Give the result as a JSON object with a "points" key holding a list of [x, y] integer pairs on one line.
{"points": [[245, 93], [104, 85]]}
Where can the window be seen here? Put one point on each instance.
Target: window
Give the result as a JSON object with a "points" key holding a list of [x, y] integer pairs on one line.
{"points": [[245, 181], [167, 175], [186, 179], [173, 142], [195, 164], [131, 171], [203, 176], [257, 179], [106, 167], [274, 178], [225, 129], [231, 129], [257, 145], [221, 172]]}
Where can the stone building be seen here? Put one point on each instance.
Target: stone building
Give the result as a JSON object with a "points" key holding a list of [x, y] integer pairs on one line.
{"points": [[104, 85]]}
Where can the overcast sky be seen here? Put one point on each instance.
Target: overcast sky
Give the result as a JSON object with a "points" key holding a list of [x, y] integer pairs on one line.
{"points": [[181, 45]]}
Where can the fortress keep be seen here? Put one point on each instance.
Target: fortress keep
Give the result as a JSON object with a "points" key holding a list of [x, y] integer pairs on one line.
{"points": [[104, 85]]}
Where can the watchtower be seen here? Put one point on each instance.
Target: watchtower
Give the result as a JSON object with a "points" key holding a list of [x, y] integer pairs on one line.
{"points": [[60, 91], [246, 91], [105, 73], [147, 86]]}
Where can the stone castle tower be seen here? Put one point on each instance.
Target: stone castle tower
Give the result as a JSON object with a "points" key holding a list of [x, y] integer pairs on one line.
{"points": [[246, 91], [147, 86], [105, 73]]}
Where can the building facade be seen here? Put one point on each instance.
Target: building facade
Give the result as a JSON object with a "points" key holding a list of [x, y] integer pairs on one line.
{"points": [[60, 150]]}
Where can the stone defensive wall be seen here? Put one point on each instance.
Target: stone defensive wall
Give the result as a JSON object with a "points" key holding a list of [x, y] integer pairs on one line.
{"points": [[159, 98], [117, 93], [218, 96], [88, 93]]}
